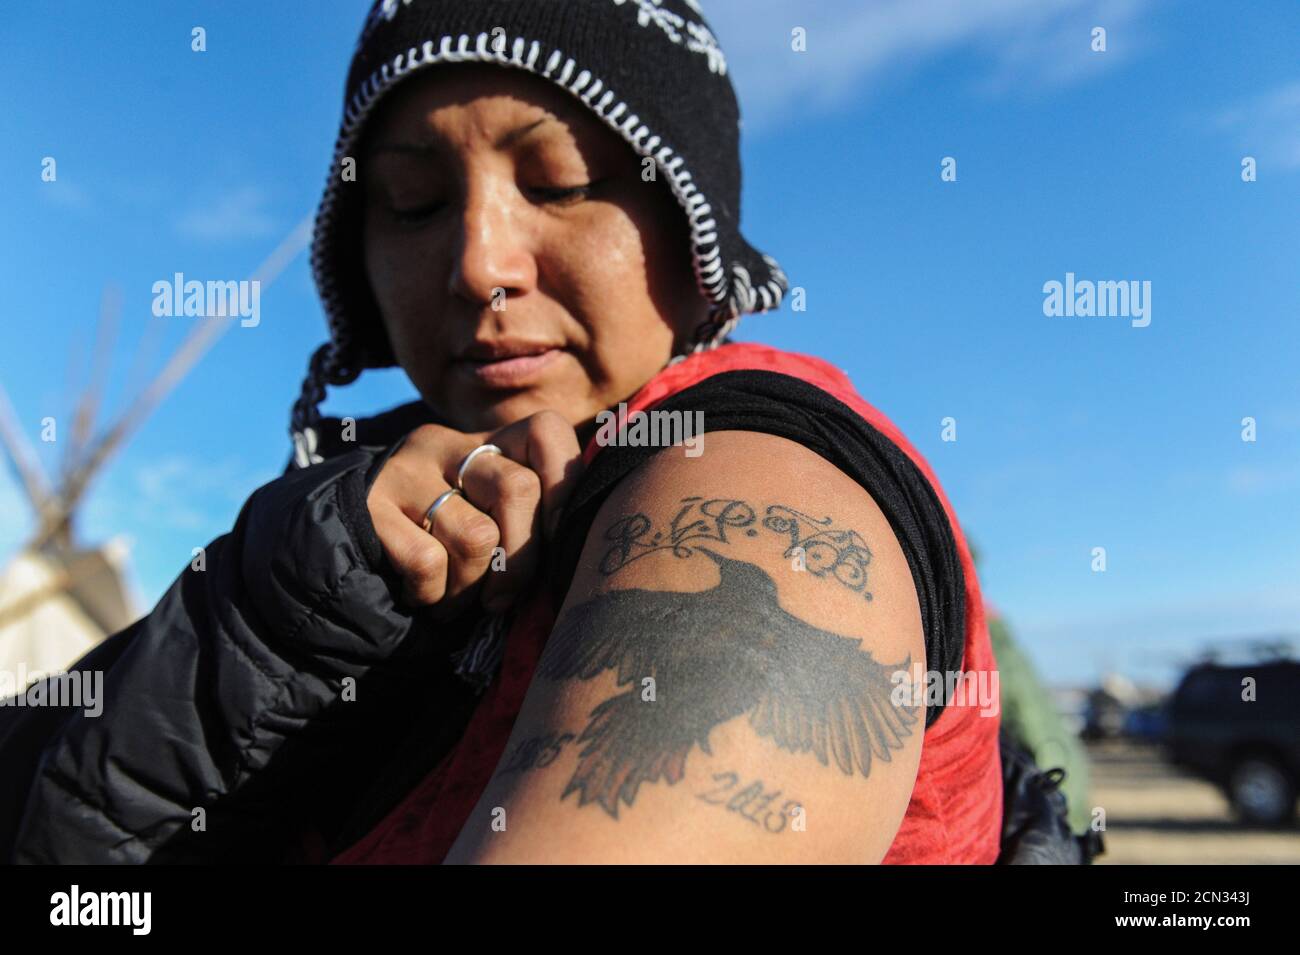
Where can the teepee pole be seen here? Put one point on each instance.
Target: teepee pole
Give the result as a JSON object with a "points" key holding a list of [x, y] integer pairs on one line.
{"points": [[23, 455], [195, 345], [83, 419]]}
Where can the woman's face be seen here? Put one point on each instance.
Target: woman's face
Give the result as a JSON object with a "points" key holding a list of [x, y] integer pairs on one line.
{"points": [[518, 258]]}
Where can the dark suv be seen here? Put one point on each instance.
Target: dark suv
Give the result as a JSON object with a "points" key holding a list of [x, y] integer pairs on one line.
{"points": [[1248, 747]]}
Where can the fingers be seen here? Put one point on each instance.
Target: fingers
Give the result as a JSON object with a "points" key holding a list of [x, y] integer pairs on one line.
{"points": [[448, 560], [467, 537], [445, 562], [470, 538], [419, 558], [547, 444], [510, 494], [507, 499]]}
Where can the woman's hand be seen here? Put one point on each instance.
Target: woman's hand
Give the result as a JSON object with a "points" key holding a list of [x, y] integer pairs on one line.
{"points": [[509, 499]]}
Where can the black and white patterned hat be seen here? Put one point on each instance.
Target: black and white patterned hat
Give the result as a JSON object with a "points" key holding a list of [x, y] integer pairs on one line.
{"points": [[651, 69]]}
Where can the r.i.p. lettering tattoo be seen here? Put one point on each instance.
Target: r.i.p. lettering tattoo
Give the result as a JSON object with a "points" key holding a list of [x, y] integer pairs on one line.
{"points": [[824, 549]]}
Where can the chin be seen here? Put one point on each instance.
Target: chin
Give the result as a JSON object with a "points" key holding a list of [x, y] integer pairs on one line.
{"points": [[488, 412]]}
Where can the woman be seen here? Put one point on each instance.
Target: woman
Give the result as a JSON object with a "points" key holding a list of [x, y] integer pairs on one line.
{"points": [[533, 210]]}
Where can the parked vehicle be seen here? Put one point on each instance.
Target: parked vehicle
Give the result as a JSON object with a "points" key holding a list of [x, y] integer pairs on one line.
{"points": [[1148, 723], [1238, 726]]}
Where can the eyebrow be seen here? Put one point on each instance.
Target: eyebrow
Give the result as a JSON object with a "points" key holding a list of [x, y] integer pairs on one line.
{"points": [[436, 144]]}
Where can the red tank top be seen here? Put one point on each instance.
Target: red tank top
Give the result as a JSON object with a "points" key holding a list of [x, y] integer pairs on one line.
{"points": [[955, 814]]}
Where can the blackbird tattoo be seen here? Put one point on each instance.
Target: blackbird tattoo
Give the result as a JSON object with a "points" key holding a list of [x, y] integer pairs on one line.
{"points": [[714, 655]]}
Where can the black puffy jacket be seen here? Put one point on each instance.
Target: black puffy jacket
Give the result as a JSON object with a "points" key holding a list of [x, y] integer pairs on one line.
{"points": [[256, 703]]}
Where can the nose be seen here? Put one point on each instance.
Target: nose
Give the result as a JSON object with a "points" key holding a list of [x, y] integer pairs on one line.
{"points": [[495, 250]]}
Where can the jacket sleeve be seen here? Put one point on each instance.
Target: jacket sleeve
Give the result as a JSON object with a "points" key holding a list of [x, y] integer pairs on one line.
{"points": [[230, 709]]}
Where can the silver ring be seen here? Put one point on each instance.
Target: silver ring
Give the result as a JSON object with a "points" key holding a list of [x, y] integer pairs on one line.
{"points": [[443, 498], [464, 465]]}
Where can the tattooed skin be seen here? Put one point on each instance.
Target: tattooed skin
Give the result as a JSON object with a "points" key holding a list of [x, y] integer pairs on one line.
{"points": [[536, 752], [750, 802], [825, 550], [714, 655]]}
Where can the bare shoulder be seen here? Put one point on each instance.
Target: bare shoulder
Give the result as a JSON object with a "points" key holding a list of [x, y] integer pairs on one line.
{"points": [[725, 681]]}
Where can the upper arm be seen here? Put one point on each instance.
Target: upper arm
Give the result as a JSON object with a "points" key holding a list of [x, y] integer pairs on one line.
{"points": [[725, 681]]}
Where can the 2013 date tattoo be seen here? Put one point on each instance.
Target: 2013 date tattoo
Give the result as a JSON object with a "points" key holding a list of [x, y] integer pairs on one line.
{"points": [[751, 802]]}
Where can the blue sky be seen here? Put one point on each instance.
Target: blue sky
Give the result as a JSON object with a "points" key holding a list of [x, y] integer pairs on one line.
{"points": [[1072, 433]]}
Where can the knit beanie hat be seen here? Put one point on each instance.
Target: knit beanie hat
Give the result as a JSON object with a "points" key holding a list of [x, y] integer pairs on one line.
{"points": [[650, 69]]}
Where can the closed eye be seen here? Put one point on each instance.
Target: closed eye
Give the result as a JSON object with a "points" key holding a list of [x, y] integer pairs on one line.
{"points": [[565, 194], [559, 195], [415, 214]]}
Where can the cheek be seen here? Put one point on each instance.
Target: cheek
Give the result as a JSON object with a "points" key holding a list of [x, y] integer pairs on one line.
{"points": [[603, 284], [597, 270], [390, 268], [402, 275], [637, 270]]}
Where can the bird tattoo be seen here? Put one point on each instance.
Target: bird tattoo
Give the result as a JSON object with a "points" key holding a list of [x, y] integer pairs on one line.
{"points": [[715, 655]]}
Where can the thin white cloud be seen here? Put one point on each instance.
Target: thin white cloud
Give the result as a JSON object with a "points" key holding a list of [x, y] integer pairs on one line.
{"points": [[1053, 47], [238, 214], [169, 493], [1267, 126], [1025, 43], [1249, 479], [186, 493], [68, 195], [1238, 480]]}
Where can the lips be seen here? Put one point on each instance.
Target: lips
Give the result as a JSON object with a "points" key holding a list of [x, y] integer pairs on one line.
{"points": [[507, 364]]}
